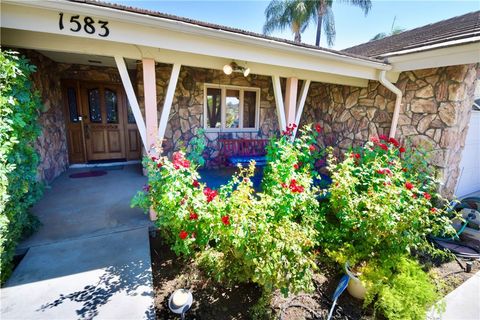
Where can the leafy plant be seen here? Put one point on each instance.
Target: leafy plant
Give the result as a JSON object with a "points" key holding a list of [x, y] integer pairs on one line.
{"points": [[381, 207], [19, 188], [236, 234]]}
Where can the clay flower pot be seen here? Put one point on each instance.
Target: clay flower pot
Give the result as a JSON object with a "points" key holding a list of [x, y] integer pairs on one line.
{"points": [[356, 288]]}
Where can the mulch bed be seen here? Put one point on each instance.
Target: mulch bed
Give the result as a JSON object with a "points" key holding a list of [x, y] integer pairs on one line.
{"points": [[213, 301]]}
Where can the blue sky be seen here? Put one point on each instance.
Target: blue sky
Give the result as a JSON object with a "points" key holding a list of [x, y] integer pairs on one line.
{"points": [[352, 26]]}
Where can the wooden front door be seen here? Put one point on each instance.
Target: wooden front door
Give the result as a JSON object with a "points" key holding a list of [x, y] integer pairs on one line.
{"points": [[102, 127]]}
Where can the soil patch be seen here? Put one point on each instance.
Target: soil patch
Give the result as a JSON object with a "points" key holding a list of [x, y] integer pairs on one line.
{"points": [[213, 301]]}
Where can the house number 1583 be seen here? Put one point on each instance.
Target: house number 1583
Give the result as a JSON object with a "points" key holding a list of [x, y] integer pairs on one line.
{"points": [[88, 25]]}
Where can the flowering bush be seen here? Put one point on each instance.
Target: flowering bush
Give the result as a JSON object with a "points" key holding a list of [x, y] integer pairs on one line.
{"points": [[236, 234], [382, 201], [381, 207]]}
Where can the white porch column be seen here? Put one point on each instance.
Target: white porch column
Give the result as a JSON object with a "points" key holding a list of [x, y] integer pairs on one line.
{"points": [[132, 99], [301, 104], [150, 96], [277, 91], [167, 105]]}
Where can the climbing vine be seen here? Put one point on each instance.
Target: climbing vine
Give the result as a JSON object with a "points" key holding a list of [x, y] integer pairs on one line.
{"points": [[19, 188]]}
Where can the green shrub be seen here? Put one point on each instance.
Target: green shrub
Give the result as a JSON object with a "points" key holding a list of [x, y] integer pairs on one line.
{"points": [[19, 188], [381, 208], [236, 234]]}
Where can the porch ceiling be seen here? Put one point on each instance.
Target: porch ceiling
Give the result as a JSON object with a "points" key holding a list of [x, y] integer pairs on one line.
{"points": [[137, 37], [85, 59]]}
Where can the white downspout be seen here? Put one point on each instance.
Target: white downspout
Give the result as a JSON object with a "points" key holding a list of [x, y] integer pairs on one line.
{"points": [[398, 101]]}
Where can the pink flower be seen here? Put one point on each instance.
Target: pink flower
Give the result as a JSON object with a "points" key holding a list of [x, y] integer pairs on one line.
{"points": [[408, 185], [183, 234], [383, 137], [374, 140], [179, 161]]}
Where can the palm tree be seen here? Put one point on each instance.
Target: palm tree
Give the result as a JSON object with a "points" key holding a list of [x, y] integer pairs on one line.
{"points": [[323, 14], [293, 14], [393, 31]]}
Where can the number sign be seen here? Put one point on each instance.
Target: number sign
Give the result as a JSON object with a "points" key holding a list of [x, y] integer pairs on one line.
{"points": [[88, 25]]}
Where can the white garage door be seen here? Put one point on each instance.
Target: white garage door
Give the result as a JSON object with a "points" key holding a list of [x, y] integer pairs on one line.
{"points": [[469, 181]]}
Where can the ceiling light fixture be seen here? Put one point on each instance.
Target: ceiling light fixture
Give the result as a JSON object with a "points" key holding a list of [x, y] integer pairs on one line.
{"points": [[234, 67]]}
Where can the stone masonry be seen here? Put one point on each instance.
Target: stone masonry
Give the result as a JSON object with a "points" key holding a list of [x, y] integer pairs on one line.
{"points": [[51, 144], [186, 115], [434, 114]]}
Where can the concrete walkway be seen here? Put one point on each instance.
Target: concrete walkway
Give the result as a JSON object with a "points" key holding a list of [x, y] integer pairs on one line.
{"points": [[91, 257], [463, 303]]}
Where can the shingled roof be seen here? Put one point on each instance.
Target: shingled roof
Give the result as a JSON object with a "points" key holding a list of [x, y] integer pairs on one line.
{"points": [[465, 27]]}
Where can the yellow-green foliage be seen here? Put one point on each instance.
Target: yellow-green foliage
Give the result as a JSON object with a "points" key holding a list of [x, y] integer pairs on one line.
{"points": [[403, 292]]}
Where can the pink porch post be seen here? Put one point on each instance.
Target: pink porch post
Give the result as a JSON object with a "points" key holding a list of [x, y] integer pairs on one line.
{"points": [[150, 94], [151, 118], [291, 100]]}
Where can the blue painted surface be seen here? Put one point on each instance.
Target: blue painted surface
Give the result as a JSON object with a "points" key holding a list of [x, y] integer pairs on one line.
{"points": [[215, 178], [342, 285]]}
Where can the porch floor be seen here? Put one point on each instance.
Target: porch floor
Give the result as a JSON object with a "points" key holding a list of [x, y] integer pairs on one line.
{"points": [[91, 256]]}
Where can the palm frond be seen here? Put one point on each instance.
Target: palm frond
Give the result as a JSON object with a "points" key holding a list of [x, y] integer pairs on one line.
{"points": [[365, 5], [329, 26]]}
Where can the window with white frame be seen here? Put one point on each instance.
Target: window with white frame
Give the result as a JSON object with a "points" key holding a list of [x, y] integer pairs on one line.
{"points": [[231, 108]]}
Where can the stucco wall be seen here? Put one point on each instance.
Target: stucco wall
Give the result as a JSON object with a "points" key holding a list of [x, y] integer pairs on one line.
{"points": [[435, 111], [186, 114]]}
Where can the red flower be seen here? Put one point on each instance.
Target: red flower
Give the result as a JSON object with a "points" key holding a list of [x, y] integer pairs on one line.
{"points": [[296, 166], [374, 140], [427, 195], [408, 185], [226, 220], [402, 149], [384, 171], [394, 142], [210, 194], [433, 210], [357, 156], [404, 169], [179, 161], [311, 147], [414, 196], [294, 187], [183, 234], [154, 159], [383, 146], [193, 216], [284, 185], [383, 137], [318, 128], [195, 184], [159, 165]]}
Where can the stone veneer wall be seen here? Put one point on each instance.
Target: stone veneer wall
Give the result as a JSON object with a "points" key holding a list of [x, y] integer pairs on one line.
{"points": [[186, 114], [51, 144], [435, 113]]}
